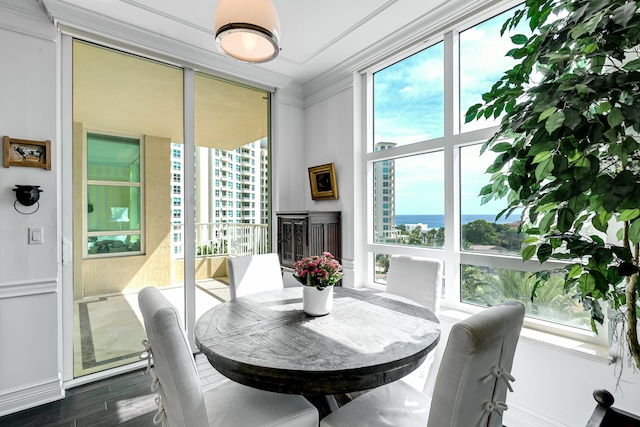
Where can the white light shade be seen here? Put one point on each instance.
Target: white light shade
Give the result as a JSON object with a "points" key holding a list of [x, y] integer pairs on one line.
{"points": [[248, 30]]}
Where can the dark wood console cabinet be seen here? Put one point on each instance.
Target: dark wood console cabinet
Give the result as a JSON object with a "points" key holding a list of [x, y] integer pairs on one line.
{"points": [[303, 234]]}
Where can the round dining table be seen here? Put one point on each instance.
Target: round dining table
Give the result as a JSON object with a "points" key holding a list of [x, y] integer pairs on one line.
{"points": [[266, 341]]}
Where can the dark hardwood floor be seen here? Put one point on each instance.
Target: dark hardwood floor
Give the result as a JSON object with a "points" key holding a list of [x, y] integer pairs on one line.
{"points": [[125, 400]]}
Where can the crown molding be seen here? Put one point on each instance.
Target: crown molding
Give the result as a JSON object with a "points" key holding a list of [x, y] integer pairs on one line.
{"points": [[28, 18]]}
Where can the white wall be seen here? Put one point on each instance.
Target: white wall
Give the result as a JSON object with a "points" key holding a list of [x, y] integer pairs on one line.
{"points": [[331, 136], [288, 153], [553, 387], [29, 316]]}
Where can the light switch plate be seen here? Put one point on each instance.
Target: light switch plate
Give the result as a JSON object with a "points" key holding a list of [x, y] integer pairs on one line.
{"points": [[36, 235]]}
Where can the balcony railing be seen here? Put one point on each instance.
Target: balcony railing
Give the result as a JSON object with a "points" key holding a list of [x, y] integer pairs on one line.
{"points": [[228, 239]]}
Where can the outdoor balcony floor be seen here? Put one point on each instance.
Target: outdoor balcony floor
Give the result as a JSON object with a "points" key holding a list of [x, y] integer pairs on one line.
{"points": [[108, 329]]}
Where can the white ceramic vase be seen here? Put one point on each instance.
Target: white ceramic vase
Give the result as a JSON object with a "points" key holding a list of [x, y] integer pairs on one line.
{"points": [[317, 302]]}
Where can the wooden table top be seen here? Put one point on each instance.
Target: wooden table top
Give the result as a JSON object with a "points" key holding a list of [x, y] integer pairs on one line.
{"points": [[266, 341]]}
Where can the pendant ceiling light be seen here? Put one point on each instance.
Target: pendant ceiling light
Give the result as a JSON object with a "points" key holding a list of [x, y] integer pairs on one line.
{"points": [[248, 30]]}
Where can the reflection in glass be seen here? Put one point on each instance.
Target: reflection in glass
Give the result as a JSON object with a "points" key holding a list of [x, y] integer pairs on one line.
{"points": [[408, 98], [113, 158], [485, 286], [113, 208], [114, 243], [408, 200]]}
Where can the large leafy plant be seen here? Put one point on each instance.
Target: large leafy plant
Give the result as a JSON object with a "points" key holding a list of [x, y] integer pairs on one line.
{"points": [[567, 149]]}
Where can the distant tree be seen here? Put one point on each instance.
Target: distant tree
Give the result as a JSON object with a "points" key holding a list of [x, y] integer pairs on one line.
{"points": [[416, 238], [480, 232]]}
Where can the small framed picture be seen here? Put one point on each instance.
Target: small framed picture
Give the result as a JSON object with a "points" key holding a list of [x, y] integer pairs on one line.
{"points": [[21, 152], [324, 185]]}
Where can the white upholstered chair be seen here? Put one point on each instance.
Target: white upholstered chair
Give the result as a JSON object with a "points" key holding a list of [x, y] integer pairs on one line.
{"points": [[471, 386], [419, 279], [254, 273], [181, 400]]}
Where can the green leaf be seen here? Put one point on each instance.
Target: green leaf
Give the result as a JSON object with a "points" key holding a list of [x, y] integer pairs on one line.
{"points": [[471, 112], [501, 147], [575, 271], [543, 169], [634, 232], [514, 181], [530, 239], [544, 252], [546, 207], [528, 252], [546, 113], [554, 122], [583, 89], [565, 219], [546, 221], [519, 39], [587, 284], [542, 156], [604, 107], [629, 214], [587, 27], [624, 13], [615, 117], [485, 190], [632, 65], [518, 167], [599, 224]]}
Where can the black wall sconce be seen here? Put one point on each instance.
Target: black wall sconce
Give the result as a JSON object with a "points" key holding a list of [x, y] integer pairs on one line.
{"points": [[27, 195]]}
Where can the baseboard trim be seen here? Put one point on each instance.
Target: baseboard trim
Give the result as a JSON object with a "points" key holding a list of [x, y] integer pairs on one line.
{"points": [[35, 394], [519, 416]]}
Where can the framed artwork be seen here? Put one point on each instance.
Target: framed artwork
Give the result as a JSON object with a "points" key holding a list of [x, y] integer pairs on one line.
{"points": [[324, 185], [22, 152]]}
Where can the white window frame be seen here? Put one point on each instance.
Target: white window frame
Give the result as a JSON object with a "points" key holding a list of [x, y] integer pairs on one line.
{"points": [[86, 182], [451, 142]]}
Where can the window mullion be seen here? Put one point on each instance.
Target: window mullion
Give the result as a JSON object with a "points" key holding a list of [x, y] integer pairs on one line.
{"points": [[451, 170]]}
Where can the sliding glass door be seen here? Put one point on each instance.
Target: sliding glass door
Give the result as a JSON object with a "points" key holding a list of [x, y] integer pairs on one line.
{"points": [[232, 204], [155, 199]]}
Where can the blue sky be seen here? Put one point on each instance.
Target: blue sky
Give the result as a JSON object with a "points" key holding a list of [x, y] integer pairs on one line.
{"points": [[409, 107]]}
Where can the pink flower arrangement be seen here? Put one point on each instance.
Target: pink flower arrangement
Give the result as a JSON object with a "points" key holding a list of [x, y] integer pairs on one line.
{"points": [[319, 271]]}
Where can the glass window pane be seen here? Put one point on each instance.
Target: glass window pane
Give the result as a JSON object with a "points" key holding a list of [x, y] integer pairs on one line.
{"points": [[485, 286], [408, 99], [113, 158], [113, 208], [481, 232], [114, 244], [381, 268], [409, 203], [482, 44]]}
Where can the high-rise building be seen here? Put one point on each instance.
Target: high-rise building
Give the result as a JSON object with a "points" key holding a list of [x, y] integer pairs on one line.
{"points": [[384, 197], [231, 187]]}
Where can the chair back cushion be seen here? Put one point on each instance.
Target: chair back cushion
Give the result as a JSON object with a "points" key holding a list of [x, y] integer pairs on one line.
{"points": [[254, 273], [416, 278], [471, 386], [180, 389]]}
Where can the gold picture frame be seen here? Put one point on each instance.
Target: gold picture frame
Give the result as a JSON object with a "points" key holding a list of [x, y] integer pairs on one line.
{"points": [[22, 152], [322, 179]]}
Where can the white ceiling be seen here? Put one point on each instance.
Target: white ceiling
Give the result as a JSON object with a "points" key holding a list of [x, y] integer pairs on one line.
{"points": [[317, 36]]}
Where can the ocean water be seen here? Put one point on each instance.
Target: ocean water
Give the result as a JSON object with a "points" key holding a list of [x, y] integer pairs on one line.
{"points": [[437, 221]]}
